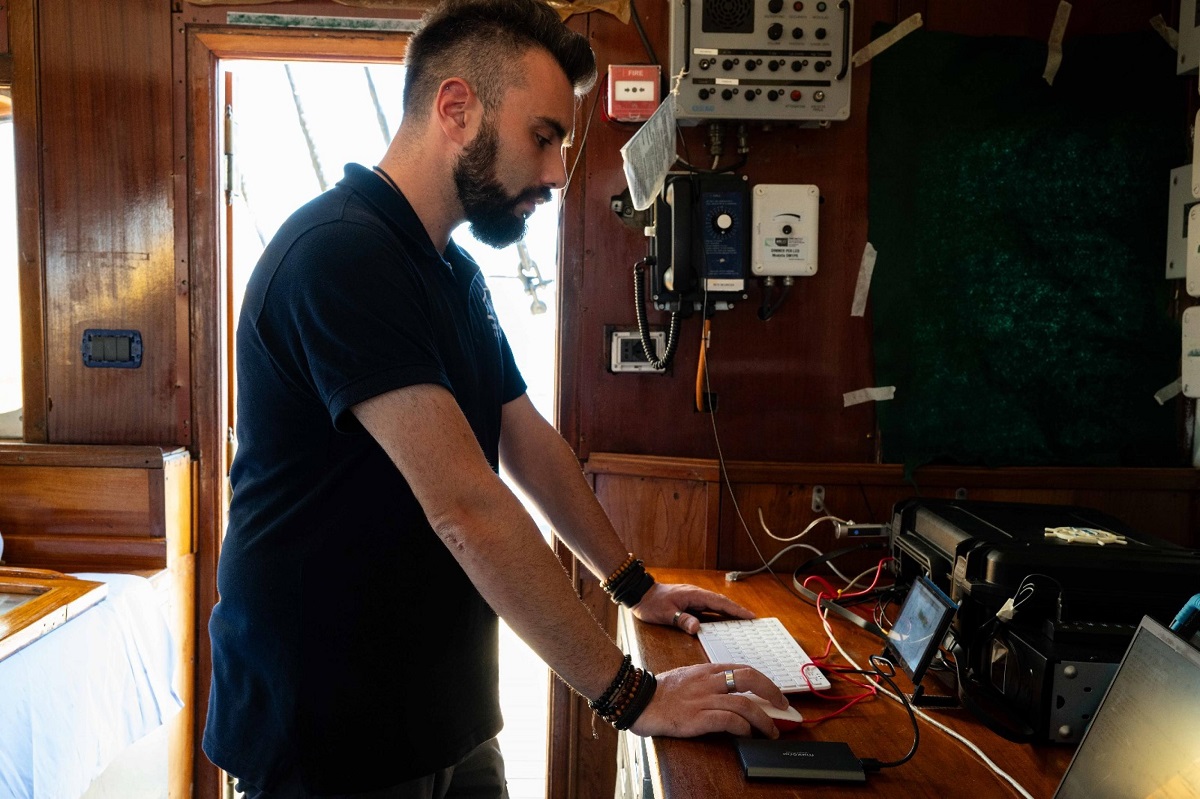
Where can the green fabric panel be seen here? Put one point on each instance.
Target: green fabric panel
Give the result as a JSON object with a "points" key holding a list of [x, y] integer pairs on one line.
{"points": [[1018, 298]]}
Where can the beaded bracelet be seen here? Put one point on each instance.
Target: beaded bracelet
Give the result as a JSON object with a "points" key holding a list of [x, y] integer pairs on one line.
{"points": [[614, 686], [626, 697], [629, 583], [645, 692], [618, 573]]}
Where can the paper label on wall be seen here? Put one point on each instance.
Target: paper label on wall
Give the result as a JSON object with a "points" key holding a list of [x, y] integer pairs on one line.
{"points": [[649, 155], [866, 268], [876, 394]]}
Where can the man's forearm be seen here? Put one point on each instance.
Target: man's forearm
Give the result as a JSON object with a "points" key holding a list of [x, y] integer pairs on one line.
{"points": [[546, 469]]}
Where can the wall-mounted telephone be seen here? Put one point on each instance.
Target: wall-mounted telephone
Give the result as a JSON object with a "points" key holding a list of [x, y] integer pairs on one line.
{"points": [[701, 244]]}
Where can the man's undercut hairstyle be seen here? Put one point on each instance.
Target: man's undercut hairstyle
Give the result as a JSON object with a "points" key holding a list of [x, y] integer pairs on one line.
{"points": [[482, 41]]}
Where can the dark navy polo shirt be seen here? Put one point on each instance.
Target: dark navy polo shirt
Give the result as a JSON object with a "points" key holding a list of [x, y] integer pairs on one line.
{"points": [[347, 640]]}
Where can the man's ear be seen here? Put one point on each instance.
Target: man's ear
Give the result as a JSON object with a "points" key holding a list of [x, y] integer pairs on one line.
{"points": [[457, 109]]}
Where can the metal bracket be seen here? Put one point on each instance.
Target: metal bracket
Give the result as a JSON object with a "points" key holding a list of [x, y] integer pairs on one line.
{"points": [[818, 499]]}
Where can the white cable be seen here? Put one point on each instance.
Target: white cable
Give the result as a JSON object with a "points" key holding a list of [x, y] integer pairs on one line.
{"points": [[859, 577], [802, 533], [922, 714], [813, 524], [712, 414], [737, 575]]}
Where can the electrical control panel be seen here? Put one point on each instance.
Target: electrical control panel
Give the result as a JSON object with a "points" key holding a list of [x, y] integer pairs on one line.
{"points": [[779, 60], [784, 238]]}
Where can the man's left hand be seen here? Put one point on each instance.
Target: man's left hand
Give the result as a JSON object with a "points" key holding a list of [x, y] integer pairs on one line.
{"points": [[673, 604]]}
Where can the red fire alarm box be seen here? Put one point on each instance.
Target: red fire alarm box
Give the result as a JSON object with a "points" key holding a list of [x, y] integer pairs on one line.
{"points": [[633, 92]]}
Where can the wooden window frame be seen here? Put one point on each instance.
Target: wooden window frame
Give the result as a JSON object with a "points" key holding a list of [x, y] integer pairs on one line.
{"points": [[57, 598]]}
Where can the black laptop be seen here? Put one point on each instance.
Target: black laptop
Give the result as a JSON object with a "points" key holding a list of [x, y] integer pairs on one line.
{"points": [[1144, 740]]}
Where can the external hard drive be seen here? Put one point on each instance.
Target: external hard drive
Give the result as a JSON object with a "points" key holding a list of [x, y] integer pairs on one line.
{"points": [[818, 761]]}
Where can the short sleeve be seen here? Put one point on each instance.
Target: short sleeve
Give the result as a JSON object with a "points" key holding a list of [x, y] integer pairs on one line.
{"points": [[348, 313]]}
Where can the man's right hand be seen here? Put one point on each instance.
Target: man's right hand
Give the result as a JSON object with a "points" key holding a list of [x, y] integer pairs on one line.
{"points": [[694, 700]]}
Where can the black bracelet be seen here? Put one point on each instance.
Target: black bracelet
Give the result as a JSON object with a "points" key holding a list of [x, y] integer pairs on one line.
{"points": [[639, 702], [632, 592], [628, 574], [629, 586], [614, 687]]}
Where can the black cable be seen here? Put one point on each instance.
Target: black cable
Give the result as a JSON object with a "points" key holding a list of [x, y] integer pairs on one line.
{"points": [[637, 23], [768, 288], [699, 170], [867, 500], [870, 763], [648, 348], [766, 311], [845, 7]]}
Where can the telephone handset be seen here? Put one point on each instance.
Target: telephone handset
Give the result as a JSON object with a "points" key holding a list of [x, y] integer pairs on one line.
{"points": [[701, 243]]}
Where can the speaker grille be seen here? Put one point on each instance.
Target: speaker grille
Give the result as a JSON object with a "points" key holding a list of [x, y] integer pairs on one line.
{"points": [[728, 16]]}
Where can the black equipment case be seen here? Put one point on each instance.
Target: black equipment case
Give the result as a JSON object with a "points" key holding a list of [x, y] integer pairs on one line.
{"points": [[1077, 604]]}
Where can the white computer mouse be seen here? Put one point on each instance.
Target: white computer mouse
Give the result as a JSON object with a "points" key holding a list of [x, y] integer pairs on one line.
{"points": [[785, 719]]}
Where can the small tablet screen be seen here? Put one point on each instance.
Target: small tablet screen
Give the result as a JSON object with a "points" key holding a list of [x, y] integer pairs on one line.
{"points": [[918, 631]]}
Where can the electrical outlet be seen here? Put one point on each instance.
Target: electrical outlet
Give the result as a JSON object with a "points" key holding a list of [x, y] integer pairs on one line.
{"points": [[628, 355]]}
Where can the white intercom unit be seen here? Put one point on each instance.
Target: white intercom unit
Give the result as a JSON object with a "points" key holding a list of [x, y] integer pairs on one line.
{"points": [[784, 230], [1190, 366], [768, 60], [1188, 45]]}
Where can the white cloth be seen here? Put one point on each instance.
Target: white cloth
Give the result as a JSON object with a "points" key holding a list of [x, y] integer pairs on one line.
{"points": [[73, 699]]}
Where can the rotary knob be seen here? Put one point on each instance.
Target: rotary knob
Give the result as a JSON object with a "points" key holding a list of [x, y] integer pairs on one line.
{"points": [[722, 222]]}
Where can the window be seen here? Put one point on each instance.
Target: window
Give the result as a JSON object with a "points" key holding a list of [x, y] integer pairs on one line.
{"points": [[10, 310]]}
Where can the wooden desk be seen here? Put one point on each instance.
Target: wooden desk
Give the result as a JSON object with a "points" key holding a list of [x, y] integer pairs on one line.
{"points": [[942, 768]]}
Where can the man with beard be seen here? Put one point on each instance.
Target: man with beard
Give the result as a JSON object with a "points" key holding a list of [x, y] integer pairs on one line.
{"points": [[371, 543]]}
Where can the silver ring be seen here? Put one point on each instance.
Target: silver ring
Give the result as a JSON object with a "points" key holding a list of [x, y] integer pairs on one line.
{"points": [[730, 685], [675, 618]]}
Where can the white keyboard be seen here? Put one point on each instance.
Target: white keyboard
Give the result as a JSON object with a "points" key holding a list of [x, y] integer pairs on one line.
{"points": [[766, 645]]}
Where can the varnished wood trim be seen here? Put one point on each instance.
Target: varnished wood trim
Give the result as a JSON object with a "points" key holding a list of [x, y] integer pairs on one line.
{"points": [[194, 14], [652, 466], [22, 19], [569, 274], [6, 69], [55, 599], [305, 45], [208, 377], [181, 734], [1049, 477], [79, 552], [15, 453]]}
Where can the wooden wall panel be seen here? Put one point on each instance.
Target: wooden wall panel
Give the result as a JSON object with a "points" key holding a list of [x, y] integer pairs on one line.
{"points": [[107, 166], [779, 383], [95, 508], [1147, 503], [663, 520]]}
